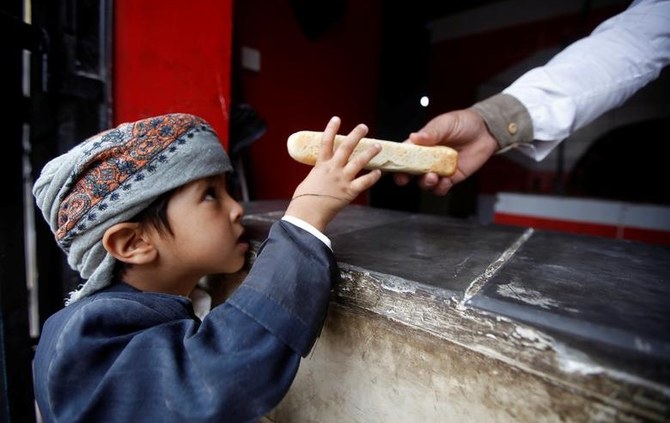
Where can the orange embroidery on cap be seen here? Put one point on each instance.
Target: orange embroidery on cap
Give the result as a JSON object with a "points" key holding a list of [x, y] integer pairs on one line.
{"points": [[105, 171]]}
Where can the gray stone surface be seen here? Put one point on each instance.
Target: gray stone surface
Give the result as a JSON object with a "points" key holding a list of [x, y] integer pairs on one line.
{"points": [[441, 252], [606, 295], [584, 320]]}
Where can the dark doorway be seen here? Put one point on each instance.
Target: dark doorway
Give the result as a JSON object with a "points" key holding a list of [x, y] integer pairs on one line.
{"points": [[625, 164], [56, 91]]}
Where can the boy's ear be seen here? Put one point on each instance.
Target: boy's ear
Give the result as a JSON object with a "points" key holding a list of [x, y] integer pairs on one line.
{"points": [[127, 242]]}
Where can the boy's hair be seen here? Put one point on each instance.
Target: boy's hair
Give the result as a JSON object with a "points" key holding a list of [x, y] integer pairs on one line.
{"points": [[113, 176], [154, 217]]}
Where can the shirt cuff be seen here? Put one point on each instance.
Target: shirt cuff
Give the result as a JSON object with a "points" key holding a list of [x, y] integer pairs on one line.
{"points": [[309, 228], [507, 119]]}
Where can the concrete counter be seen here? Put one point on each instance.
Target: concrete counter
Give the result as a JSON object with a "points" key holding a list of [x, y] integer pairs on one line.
{"points": [[438, 319]]}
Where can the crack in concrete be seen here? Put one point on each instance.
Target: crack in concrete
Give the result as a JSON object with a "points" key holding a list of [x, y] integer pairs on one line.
{"points": [[480, 281]]}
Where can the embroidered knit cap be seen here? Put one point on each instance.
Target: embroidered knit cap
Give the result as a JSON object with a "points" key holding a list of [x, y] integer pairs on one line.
{"points": [[114, 175]]}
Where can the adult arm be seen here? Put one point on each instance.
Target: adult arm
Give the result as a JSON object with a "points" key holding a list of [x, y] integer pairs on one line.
{"points": [[588, 78], [548, 103]]}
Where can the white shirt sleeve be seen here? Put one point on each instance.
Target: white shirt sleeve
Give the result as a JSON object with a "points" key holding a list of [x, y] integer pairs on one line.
{"points": [[594, 74], [309, 228]]}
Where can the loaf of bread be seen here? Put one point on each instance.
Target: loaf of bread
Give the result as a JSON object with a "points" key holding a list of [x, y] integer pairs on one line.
{"points": [[303, 146]]}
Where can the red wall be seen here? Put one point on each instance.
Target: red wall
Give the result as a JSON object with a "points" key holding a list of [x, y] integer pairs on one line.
{"points": [[303, 82], [172, 56]]}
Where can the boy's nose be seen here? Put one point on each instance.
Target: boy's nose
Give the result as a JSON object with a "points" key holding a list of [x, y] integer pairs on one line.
{"points": [[236, 212]]}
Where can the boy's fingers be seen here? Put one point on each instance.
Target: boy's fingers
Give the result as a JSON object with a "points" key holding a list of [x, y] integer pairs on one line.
{"points": [[349, 143], [360, 160], [366, 181], [328, 138]]}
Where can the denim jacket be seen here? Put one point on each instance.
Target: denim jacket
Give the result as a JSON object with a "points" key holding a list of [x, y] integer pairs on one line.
{"points": [[122, 355]]}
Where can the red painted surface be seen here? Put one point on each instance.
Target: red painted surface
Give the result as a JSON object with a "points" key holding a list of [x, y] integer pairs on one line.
{"points": [[172, 56], [646, 235], [303, 82], [610, 231], [556, 224]]}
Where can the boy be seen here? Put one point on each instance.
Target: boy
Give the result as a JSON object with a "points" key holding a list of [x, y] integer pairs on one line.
{"points": [[142, 213]]}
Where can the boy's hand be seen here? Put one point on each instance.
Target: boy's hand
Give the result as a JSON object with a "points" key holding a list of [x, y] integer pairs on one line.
{"points": [[333, 182]]}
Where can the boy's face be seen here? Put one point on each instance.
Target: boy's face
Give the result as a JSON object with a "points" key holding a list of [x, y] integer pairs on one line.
{"points": [[206, 223]]}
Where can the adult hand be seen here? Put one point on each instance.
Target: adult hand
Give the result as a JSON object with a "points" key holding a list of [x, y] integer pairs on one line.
{"points": [[465, 131]]}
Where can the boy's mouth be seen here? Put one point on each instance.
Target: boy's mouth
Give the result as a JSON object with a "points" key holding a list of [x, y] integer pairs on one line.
{"points": [[243, 239]]}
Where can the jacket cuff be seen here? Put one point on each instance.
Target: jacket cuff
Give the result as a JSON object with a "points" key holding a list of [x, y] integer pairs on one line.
{"points": [[507, 119]]}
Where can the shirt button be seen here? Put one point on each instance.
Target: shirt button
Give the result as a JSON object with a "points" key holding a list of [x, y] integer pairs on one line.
{"points": [[512, 128]]}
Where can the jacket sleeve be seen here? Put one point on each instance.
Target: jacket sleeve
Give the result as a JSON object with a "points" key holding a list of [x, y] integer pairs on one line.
{"points": [[235, 366], [306, 269], [279, 310]]}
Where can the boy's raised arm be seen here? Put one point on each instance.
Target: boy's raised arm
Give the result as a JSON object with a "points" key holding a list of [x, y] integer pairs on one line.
{"points": [[334, 181]]}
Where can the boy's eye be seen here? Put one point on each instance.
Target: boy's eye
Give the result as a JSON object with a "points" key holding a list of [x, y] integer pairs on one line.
{"points": [[210, 193]]}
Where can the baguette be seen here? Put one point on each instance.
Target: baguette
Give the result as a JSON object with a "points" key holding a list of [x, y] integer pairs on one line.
{"points": [[303, 147]]}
